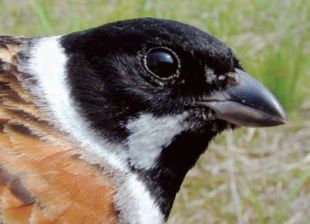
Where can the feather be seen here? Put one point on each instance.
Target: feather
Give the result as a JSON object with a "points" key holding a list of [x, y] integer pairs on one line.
{"points": [[42, 179]]}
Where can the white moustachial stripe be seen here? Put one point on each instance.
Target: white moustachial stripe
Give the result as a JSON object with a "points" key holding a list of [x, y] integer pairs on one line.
{"points": [[149, 135]]}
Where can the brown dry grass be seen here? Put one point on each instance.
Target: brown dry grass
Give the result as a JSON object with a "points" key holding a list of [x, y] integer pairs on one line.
{"points": [[251, 176]]}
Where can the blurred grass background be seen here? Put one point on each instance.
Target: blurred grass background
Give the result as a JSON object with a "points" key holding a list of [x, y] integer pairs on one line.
{"points": [[254, 175]]}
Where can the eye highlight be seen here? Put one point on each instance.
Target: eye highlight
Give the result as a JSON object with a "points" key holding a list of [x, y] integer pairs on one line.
{"points": [[162, 63]]}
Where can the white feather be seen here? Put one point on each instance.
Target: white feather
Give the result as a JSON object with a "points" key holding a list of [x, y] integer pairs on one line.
{"points": [[138, 205], [149, 135]]}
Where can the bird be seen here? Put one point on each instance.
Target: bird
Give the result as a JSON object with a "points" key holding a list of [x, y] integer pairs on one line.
{"points": [[102, 125]]}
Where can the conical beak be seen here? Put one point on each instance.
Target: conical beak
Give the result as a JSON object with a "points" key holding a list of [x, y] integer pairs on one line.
{"points": [[246, 103]]}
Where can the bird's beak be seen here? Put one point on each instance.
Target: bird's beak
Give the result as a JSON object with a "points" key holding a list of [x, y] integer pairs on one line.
{"points": [[245, 103]]}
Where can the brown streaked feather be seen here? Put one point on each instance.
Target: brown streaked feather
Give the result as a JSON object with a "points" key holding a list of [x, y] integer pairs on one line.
{"points": [[42, 179]]}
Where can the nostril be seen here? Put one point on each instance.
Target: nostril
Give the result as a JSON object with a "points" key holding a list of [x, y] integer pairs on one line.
{"points": [[231, 79]]}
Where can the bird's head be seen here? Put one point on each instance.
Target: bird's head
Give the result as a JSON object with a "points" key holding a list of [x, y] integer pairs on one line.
{"points": [[162, 90], [162, 68]]}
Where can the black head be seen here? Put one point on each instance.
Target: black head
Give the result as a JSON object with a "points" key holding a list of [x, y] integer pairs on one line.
{"points": [[145, 65], [163, 68]]}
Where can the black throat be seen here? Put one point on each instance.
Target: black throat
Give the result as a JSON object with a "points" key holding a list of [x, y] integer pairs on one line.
{"points": [[164, 180]]}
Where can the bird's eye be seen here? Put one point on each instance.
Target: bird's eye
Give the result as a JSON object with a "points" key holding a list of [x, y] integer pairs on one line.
{"points": [[163, 63]]}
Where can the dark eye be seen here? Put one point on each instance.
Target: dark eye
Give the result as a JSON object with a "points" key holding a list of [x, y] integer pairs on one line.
{"points": [[162, 63]]}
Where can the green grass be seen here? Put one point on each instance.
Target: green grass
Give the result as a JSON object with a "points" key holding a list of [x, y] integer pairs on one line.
{"points": [[272, 39]]}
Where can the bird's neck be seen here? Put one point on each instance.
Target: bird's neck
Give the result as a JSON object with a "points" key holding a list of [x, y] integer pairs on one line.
{"points": [[165, 179]]}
